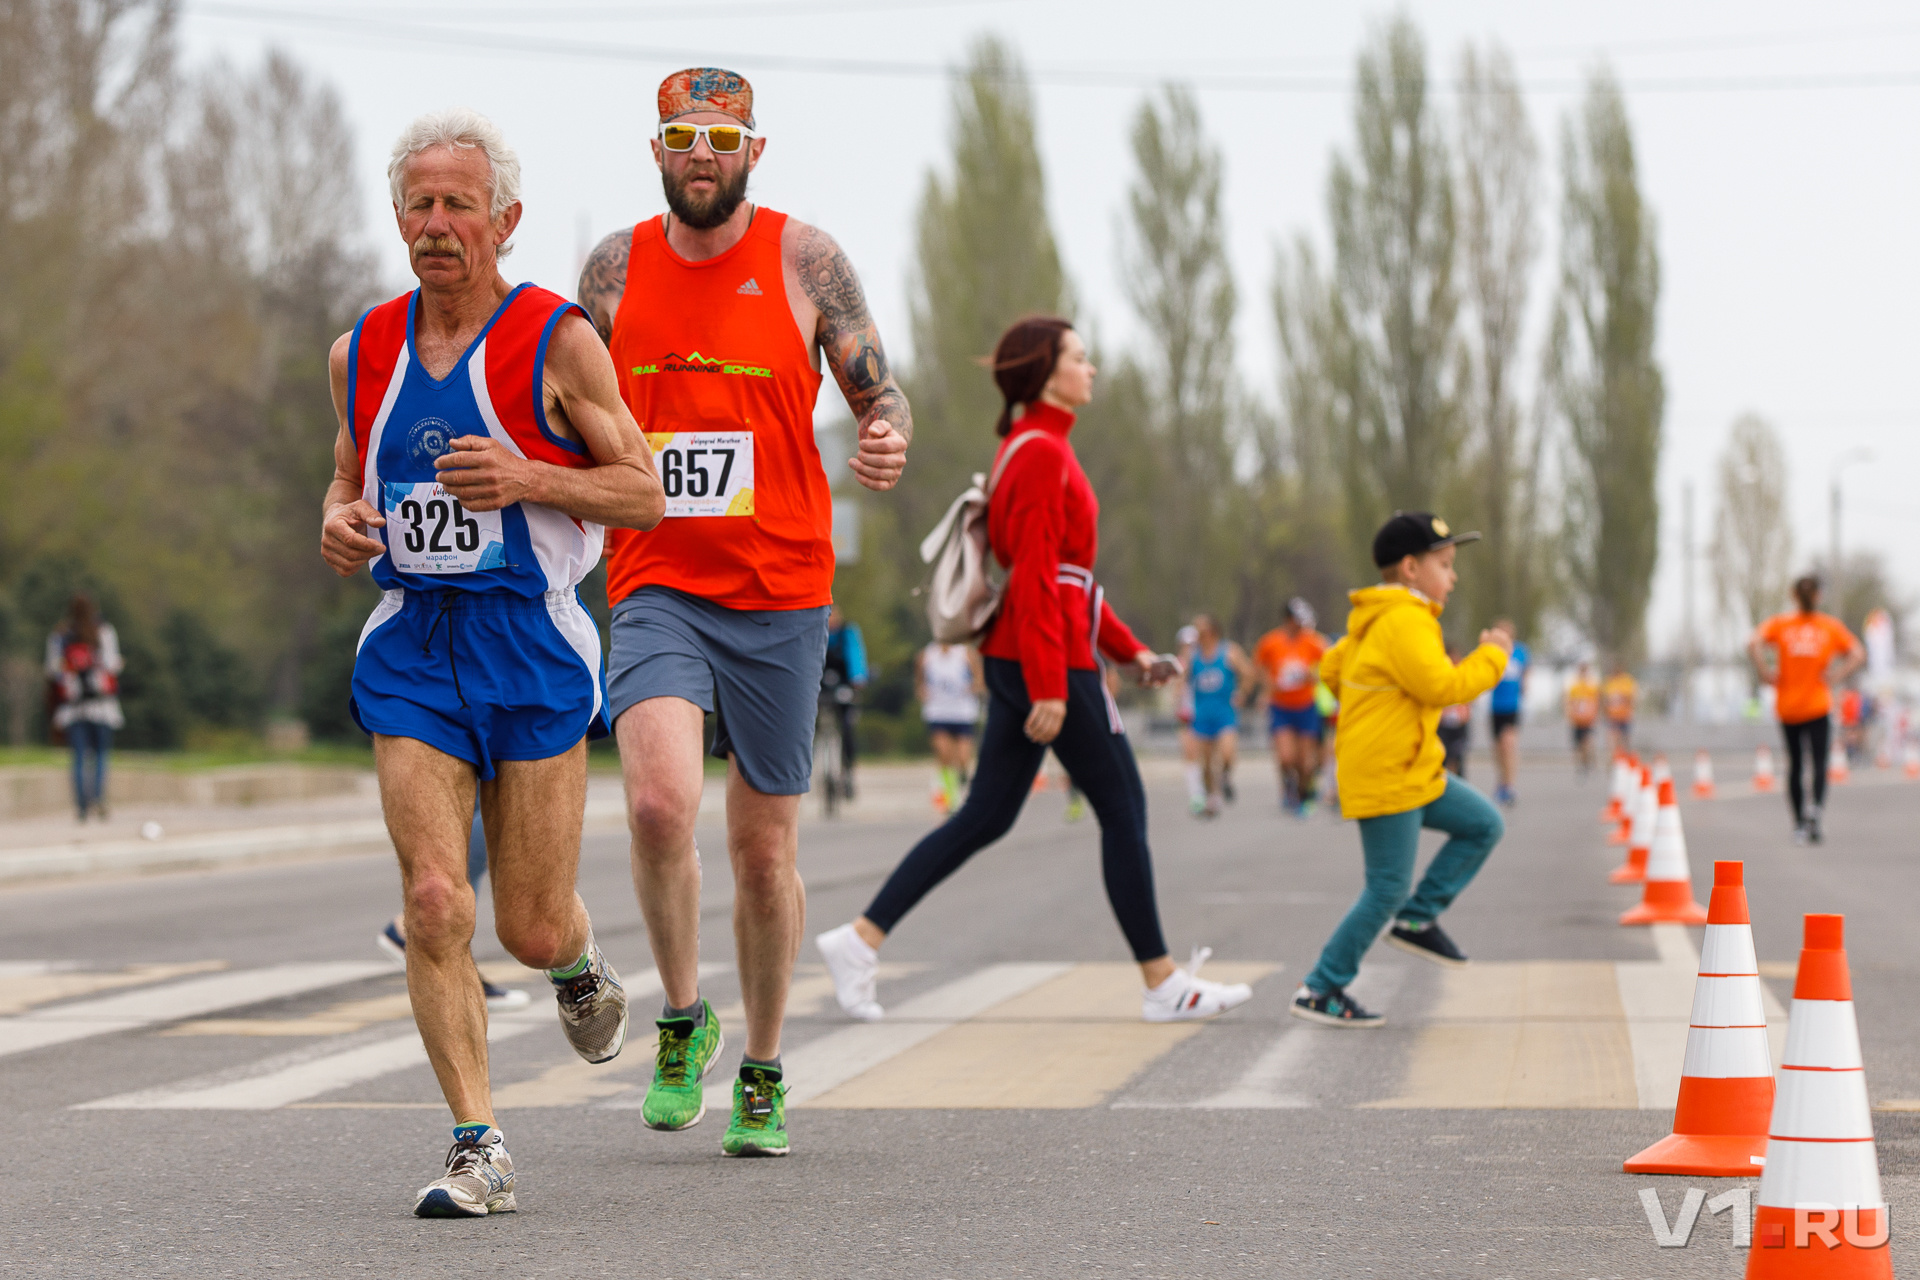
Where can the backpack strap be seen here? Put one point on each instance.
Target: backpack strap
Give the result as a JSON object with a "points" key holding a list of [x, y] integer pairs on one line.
{"points": [[1013, 447]]}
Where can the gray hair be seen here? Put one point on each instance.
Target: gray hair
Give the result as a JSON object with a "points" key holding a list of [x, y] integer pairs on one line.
{"points": [[459, 127]]}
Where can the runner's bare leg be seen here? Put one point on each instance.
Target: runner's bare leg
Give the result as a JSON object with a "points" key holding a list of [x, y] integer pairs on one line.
{"points": [[427, 797], [533, 811], [769, 905], [660, 760]]}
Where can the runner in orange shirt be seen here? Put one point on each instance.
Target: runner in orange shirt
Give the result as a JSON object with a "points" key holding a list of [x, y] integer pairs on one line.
{"points": [[1583, 710], [1805, 643], [723, 317], [1618, 696], [1289, 661]]}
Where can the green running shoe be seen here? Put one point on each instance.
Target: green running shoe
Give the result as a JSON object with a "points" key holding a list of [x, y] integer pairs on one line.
{"points": [[684, 1055], [759, 1125]]}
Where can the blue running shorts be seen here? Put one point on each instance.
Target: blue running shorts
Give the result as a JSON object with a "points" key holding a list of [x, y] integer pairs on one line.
{"points": [[483, 676], [1211, 722], [757, 671], [1302, 720]]}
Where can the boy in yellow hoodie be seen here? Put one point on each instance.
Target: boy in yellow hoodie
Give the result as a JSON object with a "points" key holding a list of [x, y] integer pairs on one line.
{"points": [[1392, 676]]}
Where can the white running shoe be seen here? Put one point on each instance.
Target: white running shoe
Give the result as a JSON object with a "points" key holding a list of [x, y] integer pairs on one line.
{"points": [[855, 967], [1187, 997], [479, 1178]]}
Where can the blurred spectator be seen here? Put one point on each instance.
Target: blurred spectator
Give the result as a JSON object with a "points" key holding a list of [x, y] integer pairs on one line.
{"points": [[83, 666]]}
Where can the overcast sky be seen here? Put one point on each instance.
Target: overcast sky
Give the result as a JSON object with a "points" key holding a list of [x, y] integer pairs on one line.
{"points": [[1777, 147]]}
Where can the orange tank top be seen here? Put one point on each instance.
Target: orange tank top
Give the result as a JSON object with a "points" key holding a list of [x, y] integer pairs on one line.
{"points": [[720, 380]]}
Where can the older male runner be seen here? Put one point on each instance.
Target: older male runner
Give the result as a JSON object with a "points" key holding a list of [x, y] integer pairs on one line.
{"points": [[718, 314], [482, 447]]}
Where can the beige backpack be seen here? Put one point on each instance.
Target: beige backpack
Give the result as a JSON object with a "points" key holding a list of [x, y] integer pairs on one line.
{"points": [[963, 592]]}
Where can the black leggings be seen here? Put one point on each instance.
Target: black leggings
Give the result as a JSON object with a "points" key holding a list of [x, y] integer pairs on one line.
{"points": [[1809, 737], [1099, 761]]}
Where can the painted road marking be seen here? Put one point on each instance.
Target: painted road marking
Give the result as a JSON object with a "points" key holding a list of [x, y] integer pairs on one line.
{"points": [[1533, 1033], [194, 998], [289, 1078], [27, 983], [1562, 1034], [822, 1065], [1270, 1083], [1094, 1044]]}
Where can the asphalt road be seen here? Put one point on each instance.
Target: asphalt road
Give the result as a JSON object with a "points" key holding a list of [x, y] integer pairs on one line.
{"points": [[182, 1125]]}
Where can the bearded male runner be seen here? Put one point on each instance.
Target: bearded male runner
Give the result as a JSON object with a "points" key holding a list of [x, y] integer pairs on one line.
{"points": [[482, 447], [718, 314]]}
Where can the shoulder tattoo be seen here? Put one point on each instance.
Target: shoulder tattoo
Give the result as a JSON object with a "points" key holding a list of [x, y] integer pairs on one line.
{"points": [[846, 333], [604, 278]]}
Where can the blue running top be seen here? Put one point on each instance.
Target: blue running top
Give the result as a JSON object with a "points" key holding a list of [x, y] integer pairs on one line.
{"points": [[402, 419]]}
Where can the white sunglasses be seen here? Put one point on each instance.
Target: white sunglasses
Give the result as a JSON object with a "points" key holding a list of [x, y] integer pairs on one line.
{"points": [[722, 139]]}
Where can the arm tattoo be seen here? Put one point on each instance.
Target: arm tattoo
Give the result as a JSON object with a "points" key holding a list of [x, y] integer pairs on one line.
{"points": [[846, 332], [604, 278]]}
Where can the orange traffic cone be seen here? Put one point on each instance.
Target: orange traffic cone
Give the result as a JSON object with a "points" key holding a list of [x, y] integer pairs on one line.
{"points": [[1662, 771], [1763, 769], [1617, 784], [1838, 771], [1910, 765], [1819, 1211], [1726, 1079], [1668, 897], [1702, 776], [1644, 808]]}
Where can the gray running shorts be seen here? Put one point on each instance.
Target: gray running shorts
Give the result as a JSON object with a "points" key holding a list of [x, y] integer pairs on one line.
{"points": [[757, 671]]}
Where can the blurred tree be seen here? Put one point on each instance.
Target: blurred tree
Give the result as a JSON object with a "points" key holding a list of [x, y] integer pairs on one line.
{"points": [[984, 257], [1752, 544], [1603, 377], [1499, 163], [1397, 414], [1173, 511], [1298, 491], [1867, 585], [176, 253]]}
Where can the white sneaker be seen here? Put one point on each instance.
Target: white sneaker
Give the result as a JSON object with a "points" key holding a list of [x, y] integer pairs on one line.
{"points": [[855, 967], [1187, 997]]}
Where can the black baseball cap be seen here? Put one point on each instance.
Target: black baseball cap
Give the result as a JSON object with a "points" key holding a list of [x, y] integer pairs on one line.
{"points": [[1410, 533]]}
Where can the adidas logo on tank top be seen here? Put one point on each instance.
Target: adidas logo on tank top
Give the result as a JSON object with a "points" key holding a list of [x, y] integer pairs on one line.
{"points": [[751, 288]]}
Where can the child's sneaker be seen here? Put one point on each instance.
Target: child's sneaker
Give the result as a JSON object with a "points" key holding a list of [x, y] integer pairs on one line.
{"points": [[1335, 1008], [1428, 941]]}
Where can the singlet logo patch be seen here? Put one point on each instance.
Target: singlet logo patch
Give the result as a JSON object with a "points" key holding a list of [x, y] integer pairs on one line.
{"points": [[427, 439], [697, 363], [751, 288]]}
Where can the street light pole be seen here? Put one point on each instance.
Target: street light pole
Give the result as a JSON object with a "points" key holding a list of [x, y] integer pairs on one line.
{"points": [[1686, 589], [1836, 570]]}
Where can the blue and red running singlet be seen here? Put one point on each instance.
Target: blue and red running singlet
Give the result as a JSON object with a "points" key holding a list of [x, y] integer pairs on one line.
{"points": [[480, 646], [402, 420]]}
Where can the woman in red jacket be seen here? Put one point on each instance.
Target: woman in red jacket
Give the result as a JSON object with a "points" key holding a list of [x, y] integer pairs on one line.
{"points": [[1045, 687]]}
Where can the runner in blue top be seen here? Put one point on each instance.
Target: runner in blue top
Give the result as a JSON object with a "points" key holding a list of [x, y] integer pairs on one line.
{"points": [[1217, 672], [1508, 696]]}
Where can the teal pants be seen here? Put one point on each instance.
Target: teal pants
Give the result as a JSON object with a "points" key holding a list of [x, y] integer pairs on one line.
{"points": [[1391, 843]]}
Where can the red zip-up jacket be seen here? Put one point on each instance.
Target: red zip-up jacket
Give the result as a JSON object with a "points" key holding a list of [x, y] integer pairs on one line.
{"points": [[1043, 514]]}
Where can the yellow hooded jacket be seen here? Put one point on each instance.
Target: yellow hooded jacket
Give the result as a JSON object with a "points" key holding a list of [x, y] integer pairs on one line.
{"points": [[1392, 676]]}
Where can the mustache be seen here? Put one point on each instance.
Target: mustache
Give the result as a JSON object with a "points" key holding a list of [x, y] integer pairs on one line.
{"points": [[440, 244]]}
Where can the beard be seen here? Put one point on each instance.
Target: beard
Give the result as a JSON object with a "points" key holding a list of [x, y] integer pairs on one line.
{"points": [[704, 214]]}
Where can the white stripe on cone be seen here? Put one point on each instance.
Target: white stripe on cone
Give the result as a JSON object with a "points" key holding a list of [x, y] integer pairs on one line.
{"points": [[1667, 854], [1820, 1145]]}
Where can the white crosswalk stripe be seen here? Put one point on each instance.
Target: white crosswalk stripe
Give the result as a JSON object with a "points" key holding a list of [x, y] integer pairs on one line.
{"points": [[1497, 1034], [197, 997], [288, 1078], [822, 1064]]}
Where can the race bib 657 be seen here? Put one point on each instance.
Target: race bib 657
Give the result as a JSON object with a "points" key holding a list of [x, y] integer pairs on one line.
{"points": [[705, 473]]}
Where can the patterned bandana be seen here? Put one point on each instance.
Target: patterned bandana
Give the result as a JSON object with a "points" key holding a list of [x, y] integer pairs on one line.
{"points": [[706, 89]]}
